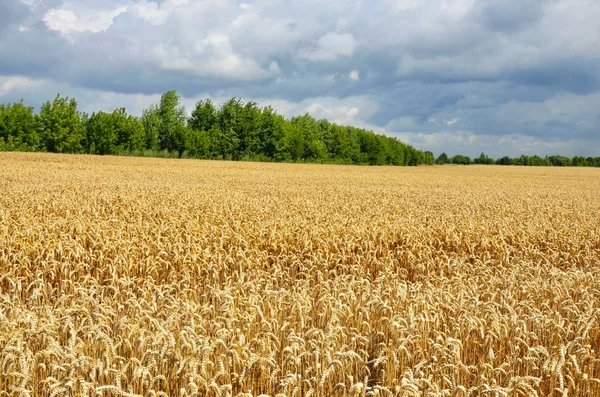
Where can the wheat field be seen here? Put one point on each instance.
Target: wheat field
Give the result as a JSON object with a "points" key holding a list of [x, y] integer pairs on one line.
{"points": [[155, 277]]}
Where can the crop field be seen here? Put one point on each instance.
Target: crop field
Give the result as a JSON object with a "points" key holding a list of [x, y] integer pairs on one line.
{"points": [[156, 277]]}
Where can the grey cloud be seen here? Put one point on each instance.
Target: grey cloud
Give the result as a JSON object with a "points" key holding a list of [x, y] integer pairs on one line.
{"points": [[500, 16], [496, 68]]}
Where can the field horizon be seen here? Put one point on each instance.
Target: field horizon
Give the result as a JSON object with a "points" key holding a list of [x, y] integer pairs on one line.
{"points": [[128, 276]]}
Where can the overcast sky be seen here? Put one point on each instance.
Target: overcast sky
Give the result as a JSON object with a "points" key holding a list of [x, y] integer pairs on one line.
{"points": [[506, 77]]}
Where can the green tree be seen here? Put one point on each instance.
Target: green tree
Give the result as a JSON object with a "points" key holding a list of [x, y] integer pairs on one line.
{"points": [[230, 124], [172, 133], [249, 130], [293, 142], [339, 145], [151, 121], [309, 128], [61, 126], [18, 128], [559, 161], [579, 161], [271, 133], [442, 159], [112, 133], [483, 159], [538, 161], [100, 134], [504, 161], [428, 158], [204, 116], [460, 159], [199, 144]]}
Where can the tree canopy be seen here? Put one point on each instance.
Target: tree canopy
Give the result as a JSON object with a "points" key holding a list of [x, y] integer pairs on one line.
{"points": [[234, 130]]}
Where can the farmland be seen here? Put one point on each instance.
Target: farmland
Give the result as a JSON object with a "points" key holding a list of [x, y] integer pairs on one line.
{"points": [[160, 277]]}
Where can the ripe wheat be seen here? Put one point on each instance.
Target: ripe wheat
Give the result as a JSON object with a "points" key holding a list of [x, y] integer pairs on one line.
{"points": [[152, 277]]}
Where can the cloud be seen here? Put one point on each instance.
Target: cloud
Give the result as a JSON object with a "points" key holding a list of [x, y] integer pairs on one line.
{"points": [[493, 76], [330, 47], [9, 85], [66, 21]]}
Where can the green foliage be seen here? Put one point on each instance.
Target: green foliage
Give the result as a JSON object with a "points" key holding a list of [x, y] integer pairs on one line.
{"points": [[560, 161], [204, 116], [234, 131], [579, 161], [428, 158], [442, 159], [270, 134], [483, 159], [61, 126], [151, 122], [100, 134], [114, 133], [173, 134], [18, 128], [460, 159]]}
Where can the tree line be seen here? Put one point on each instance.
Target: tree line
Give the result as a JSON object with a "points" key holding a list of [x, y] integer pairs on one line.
{"points": [[555, 160], [235, 130]]}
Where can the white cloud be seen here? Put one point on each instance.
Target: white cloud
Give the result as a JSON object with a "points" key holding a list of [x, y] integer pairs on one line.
{"points": [[66, 21], [211, 57], [405, 5], [472, 144], [9, 84], [426, 66], [329, 47]]}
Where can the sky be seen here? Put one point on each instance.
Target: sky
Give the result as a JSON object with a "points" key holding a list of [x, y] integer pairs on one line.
{"points": [[504, 77]]}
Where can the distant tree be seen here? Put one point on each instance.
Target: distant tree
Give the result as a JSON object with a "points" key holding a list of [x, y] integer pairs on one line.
{"points": [[271, 133], [339, 142], [504, 161], [199, 144], [230, 124], [559, 161], [522, 160], [309, 128], [579, 161], [249, 130], [442, 159], [293, 142], [204, 134], [172, 134], [235, 130], [112, 133], [61, 126], [18, 128], [204, 116], [593, 161], [483, 159], [428, 158], [100, 134], [537, 161], [460, 159], [415, 157], [152, 123]]}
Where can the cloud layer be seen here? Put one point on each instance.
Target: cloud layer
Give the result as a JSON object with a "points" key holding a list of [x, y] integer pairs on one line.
{"points": [[445, 75]]}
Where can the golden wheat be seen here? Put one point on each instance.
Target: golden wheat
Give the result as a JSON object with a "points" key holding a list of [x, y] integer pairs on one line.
{"points": [[151, 277]]}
